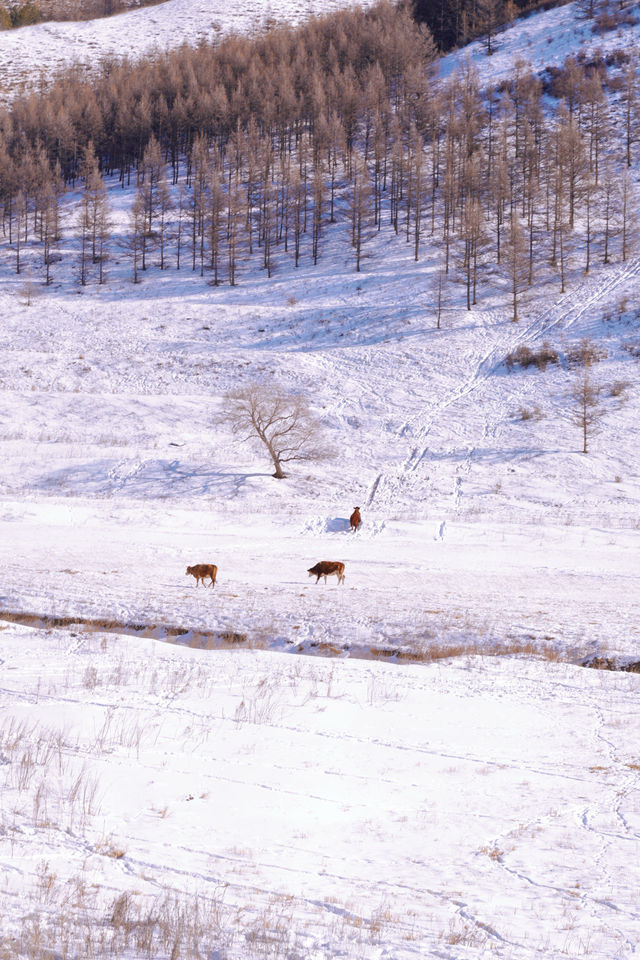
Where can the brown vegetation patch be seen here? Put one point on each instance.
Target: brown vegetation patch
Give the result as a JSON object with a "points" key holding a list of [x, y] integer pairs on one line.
{"points": [[447, 651], [524, 356], [229, 636], [421, 651], [209, 639], [610, 663], [585, 354]]}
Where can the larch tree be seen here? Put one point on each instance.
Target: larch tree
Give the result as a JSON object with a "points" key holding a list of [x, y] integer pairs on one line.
{"points": [[515, 261], [235, 220], [94, 217], [20, 209], [49, 228], [630, 100], [138, 221], [360, 204], [438, 284], [489, 15], [318, 212], [628, 212], [587, 411], [609, 209]]}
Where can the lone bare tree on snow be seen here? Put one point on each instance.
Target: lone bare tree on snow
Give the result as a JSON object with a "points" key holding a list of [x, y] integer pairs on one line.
{"points": [[277, 418], [586, 410]]}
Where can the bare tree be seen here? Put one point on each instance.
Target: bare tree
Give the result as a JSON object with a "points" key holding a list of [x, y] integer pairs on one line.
{"points": [[28, 289], [628, 211], [318, 209], [586, 410], [515, 261], [589, 8], [438, 292], [360, 205], [137, 222], [94, 216], [609, 209], [235, 216], [277, 418], [50, 215], [630, 96], [20, 214]]}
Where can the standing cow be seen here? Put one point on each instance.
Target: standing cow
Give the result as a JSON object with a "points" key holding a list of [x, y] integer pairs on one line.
{"points": [[355, 519], [201, 571], [327, 568]]}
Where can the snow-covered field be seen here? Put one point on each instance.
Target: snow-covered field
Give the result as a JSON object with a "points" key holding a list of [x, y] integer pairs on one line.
{"points": [[377, 801], [250, 804]]}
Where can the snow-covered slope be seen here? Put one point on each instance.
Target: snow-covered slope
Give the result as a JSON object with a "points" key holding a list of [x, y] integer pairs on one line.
{"points": [[543, 40], [385, 803], [476, 520], [37, 52]]}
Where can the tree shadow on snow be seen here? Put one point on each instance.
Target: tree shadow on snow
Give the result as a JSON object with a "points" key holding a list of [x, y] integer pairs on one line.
{"points": [[487, 454], [147, 478]]}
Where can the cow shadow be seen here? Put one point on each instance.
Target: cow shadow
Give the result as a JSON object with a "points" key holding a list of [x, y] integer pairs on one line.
{"points": [[337, 525]]}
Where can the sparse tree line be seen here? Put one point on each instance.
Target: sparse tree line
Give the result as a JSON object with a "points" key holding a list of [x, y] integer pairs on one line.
{"points": [[254, 147]]}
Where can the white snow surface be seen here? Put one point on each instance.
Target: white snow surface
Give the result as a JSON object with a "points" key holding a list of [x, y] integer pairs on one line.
{"points": [[372, 802], [321, 808]]}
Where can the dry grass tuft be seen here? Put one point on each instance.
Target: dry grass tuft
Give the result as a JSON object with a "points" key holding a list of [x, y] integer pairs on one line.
{"points": [[107, 848], [448, 651], [493, 852]]}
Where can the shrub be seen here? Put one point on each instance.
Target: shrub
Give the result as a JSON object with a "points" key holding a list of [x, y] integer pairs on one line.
{"points": [[585, 354], [525, 357], [524, 413], [617, 57], [618, 387], [613, 17]]}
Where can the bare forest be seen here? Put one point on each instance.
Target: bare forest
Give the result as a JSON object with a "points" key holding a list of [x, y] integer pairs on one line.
{"points": [[236, 150]]}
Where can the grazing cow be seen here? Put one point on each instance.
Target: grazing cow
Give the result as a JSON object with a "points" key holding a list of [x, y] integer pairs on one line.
{"points": [[203, 570], [355, 519], [327, 568]]}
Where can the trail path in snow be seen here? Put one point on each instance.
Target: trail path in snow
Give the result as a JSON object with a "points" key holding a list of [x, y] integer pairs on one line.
{"points": [[480, 366]]}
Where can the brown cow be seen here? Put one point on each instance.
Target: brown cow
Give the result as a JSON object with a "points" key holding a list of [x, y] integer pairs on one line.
{"points": [[203, 570], [355, 519], [327, 568]]}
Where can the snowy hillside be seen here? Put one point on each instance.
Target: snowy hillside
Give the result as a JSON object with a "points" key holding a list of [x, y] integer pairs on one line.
{"points": [[543, 40], [445, 778], [37, 52]]}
